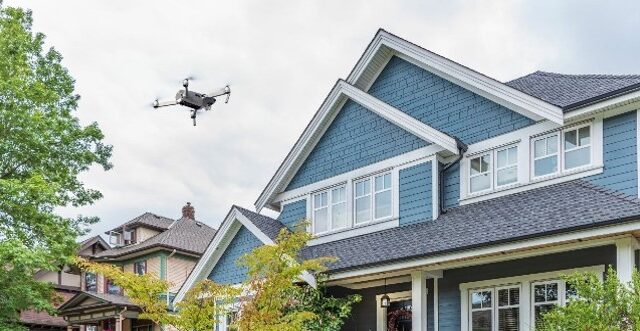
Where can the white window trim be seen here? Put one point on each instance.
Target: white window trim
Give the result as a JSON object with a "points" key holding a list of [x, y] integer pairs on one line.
{"points": [[525, 282], [329, 206], [557, 154], [526, 181], [561, 151], [489, 171], [496, 169]]}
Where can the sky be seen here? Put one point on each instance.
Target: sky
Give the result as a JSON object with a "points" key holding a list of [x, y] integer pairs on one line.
{"points": [[281, 59]]}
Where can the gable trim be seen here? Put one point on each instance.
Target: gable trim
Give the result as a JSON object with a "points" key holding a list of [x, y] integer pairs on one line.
{"points": [[228, 230], [385, 45], [333, 103]]}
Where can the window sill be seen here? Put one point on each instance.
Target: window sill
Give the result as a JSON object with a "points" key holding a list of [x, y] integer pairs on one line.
{"points": [[356, 230], [534, 183]]}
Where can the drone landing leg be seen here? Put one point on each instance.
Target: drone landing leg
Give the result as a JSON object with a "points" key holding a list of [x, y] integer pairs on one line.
{"points": [[193, 116]]}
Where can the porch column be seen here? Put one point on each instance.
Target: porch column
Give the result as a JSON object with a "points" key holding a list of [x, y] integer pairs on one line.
{"points": [[418, 301], [626, 258]]}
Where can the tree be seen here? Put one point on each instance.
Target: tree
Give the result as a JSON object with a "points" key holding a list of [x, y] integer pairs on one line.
{"points": [[607, 305], [43, 149], [271, 298]]}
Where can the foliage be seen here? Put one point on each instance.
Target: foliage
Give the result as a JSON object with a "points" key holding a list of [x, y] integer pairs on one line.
{"points": [[43, 149], [599, 305], [197, 311], [270, 299]]}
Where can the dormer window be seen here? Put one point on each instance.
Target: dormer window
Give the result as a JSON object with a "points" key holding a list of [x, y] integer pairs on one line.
{"points": [[129, 237]]}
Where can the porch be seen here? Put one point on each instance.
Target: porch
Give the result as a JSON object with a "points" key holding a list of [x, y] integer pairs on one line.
{"points": [[505, 287]]}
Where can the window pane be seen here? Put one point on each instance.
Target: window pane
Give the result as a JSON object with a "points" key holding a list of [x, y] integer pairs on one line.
{"points": [[475, 166], [508, 319], [480, 183], [320, 200], [545, 166], [577, 158], [338, 194], [476, 300], [540, 310], [339, 215], [383, 204], [363, 188], [552, 292], [320, 220], [514, 296], [570, 139], [539, 292], [481, 320], [379, 183], [552, 145], [539, 148], [502, 158], [513, 155], [363, 209], [503, 297], [507, 176], [485, 163], [584, 136], [387, 181]]}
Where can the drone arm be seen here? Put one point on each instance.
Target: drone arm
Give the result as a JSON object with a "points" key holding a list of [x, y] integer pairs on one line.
{"points": [[221, 91], [159, 104]]}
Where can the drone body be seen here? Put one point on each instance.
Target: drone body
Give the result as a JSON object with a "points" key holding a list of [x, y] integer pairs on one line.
{"points": [[194, 100]]}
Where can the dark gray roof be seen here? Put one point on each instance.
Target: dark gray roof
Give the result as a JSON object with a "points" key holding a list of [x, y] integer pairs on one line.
{"points": [[267, 225], [537, 212], [149, 220], [185, 235], [569, 91]]}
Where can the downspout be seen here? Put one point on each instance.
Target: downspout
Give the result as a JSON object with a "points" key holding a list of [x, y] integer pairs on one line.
{"points": [[462, 148]]}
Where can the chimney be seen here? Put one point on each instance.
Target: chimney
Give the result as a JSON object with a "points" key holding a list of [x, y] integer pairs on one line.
{"points": [[188, 211]]}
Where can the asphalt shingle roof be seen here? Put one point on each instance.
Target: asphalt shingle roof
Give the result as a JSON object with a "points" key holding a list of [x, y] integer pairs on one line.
{"points": [[267, 225], [185, 235], [567, 91], [537, 212], [147, 219]]}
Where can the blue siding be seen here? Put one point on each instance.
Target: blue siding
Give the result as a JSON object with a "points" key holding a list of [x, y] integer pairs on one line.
{"points": [[415, 194], [442, 104], [293, 213], [227, 270], [357, 137], [620, 155], [449, 285], [451, 186]]}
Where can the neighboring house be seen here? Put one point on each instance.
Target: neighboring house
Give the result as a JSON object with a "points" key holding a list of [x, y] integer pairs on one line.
{"points": [[147, 244], [66, 282], [460, 198]]}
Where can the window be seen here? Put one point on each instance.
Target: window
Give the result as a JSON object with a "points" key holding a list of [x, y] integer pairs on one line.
{"points": [[362, 201], [496, 308], [140, 267], [90, 282], [577, 147], [129, 237], [546, 295], [575, 151], [111, 288], [330, 210], [506, 166], [545, 155], [382, 196], [480, 173]]}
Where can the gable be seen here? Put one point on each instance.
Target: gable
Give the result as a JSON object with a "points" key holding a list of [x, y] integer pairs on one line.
{"points": [[442, 104], [357, 137], [292, 213], [227, 270]]}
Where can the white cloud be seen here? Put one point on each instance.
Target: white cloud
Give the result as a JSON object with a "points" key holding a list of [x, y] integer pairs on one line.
{"points": [[281, 58]]}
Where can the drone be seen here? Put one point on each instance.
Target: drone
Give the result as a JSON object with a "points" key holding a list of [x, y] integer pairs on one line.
{"points": [[194, 100]]}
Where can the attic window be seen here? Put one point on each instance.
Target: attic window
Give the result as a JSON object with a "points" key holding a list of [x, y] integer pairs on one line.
{"points": [[129, 237]]}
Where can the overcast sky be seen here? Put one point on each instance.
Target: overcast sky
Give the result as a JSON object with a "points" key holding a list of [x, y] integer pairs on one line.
{"points": [[281, 59]]}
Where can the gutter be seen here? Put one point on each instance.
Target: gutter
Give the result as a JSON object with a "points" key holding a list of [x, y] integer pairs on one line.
{"points": [[603, 97], [462, 148]]}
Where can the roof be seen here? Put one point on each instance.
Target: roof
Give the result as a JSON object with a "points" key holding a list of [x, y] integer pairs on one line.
{"points": [[186, 235], [570, 91], [535, 213], [104, 298], [267, 225], [32, 317], [147, 219], [93, 240]]}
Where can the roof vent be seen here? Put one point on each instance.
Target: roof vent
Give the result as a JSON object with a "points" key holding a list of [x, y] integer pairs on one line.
{"points": [[188, 211]]}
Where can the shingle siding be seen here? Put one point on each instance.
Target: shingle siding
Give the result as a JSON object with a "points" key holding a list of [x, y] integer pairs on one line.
{"points": [[449, 285], [442, 104], [227, 270], [357, 137], [415, 194], [620, 155], [293, 213]]}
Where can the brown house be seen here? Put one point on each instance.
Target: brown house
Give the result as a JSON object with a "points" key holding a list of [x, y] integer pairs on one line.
{"points": [[148, 243]]}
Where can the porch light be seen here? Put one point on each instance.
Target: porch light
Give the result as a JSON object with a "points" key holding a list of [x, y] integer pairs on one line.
{"points": [[385, 301]]}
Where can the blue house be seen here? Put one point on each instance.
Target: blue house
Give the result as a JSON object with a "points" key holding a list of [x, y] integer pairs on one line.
{"points": [[461, 198]]}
